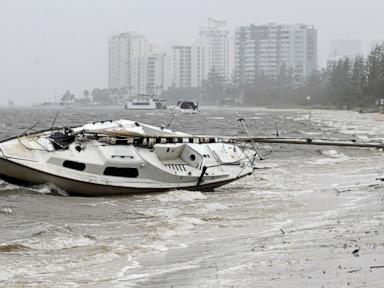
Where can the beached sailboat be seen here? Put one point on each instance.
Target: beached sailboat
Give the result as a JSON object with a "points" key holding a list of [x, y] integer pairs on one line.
{"points": [[120, 157]]}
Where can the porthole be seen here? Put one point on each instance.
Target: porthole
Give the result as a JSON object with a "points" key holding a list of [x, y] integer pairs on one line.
{"points": [[121, 172], [192, 157], [74, 165]]}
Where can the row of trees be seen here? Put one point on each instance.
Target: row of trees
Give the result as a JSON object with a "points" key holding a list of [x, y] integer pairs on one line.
{"points": [[350, 83], [97, 95]]}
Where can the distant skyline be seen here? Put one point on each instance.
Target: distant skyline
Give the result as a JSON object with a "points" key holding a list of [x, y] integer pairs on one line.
{"points": [[49, 46]]}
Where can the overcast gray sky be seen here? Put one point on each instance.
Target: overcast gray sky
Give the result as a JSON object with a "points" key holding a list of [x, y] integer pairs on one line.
{"points": [[49, 46]]}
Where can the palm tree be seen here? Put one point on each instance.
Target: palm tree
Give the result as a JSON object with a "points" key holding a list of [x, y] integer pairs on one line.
{"points": [[86, 94]]}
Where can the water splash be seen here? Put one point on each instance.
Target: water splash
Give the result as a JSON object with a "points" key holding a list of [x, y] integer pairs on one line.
{"points": [[181, 196]]}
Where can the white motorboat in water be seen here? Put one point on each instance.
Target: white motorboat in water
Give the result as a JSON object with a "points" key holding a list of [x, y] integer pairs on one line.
{"points": [[120, 157], [186, 107]]}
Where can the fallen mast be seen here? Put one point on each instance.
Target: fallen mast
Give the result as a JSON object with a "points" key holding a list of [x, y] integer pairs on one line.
{"points": [[310, 141]]}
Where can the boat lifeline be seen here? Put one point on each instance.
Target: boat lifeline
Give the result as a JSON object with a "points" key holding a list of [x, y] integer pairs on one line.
{"points": [[120, 157]]}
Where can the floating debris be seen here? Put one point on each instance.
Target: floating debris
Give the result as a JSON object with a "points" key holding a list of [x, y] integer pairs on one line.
{"points": [[356, 252], [376, 267], [6, 210]]}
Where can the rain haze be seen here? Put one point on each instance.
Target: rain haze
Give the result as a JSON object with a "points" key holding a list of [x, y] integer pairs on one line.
{"points": [[200, 143], [50, 46]]}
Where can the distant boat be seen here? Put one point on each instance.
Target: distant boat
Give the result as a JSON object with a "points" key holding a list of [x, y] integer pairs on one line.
{"points": [[186, 107], [144, 103], [11, 103]]}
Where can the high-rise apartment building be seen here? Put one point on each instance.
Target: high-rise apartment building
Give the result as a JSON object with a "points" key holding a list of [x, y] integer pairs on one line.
{"points": [[254, 50], [198, 67], [188, 69], [127, 63], [266, 49], [136, 65], [192, 64], [157, 78], [215, 41], [182, 66]]}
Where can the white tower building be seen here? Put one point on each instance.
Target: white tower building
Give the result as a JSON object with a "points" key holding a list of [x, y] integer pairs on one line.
{"points": [[215, 40], [127, 62], [182, 66], [265, 49], [136, 65]]}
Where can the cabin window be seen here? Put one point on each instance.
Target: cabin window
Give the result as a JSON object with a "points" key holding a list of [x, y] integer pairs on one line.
{"points": [[74, 165], [121, 172]]}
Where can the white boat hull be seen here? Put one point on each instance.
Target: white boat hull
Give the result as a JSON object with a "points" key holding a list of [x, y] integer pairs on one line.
{"points": [[25, 176]]}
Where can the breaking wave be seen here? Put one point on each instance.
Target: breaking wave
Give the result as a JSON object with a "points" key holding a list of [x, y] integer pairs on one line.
{"points": [[5, 186], [331, 156], [41, 189], [48, 237], [181, 196], [49, 188], [59, 242]]}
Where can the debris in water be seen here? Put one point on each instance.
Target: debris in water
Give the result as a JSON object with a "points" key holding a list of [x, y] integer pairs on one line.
{"points": [[354, 271], [341, 190], [6, 210], [376, 267], [9, 248], [356, 252]]}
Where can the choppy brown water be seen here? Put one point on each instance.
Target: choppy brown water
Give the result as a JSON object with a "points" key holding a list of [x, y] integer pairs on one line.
{"points": [[294, 223]]}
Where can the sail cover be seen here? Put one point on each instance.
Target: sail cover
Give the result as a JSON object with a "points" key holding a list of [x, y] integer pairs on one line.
{"points": [[128, 128]]}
